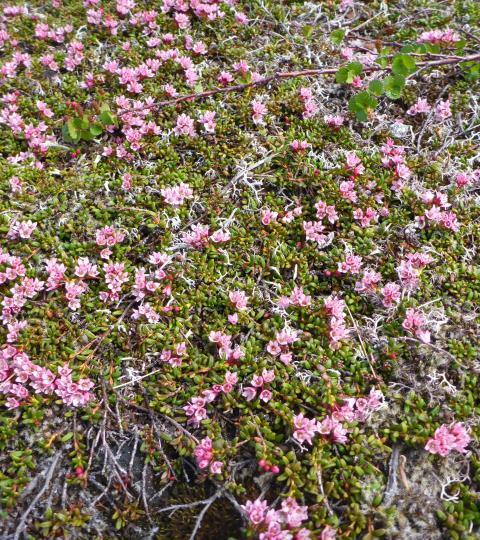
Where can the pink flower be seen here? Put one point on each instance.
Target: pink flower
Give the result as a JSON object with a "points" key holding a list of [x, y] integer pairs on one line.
{"points": [[21, 229], [299, 146], [265, 396], [328, 533], [15, 184], [255, 510], [259, 110], [249, 393], [415, 323], [351, 265], [233, 319], [448, 438], [239, 299], [462, 180], [305, 428], [334, 121], [268, 216], [391, 294], [421, 106], [225, 78], [176, 195], [108, 236], [442, 110], [185, 126], [293, 513], [207, 119], [216, 467]]}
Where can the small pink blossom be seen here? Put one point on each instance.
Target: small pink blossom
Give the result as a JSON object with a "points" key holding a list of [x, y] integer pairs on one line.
{"points": [[448, 438]]}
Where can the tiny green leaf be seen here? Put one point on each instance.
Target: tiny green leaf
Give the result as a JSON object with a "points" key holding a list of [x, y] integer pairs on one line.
{"points": [[393, 86], [337, 36], [403, 64], [376, 87]]}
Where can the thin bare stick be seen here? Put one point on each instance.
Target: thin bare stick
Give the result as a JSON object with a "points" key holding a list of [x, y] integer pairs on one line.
{"points": [[21, 525], [283, 75]]}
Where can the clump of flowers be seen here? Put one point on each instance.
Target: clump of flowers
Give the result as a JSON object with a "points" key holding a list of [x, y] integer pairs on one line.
{"points": [[204, 456], [448, 438], [271, 524]]}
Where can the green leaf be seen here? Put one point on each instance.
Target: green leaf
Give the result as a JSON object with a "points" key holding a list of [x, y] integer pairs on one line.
{"points": [[307, 31], [71, 131], [337, 36], [361, 105], [375, 87], [382, 61], [84, 122], [67, 436], [347, 73], [106, 117], [86, 135], [96, 129], [472, 71], [393, 86], [403, 64]]}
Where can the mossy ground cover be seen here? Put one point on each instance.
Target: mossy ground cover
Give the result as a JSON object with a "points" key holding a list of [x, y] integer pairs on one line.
{"points": [[245, 313]]}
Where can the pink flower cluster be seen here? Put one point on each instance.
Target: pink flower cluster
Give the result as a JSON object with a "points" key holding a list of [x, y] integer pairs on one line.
{"points": [[108, 236], [278, 524], [21, 292], [299, 146], [257, 384], [16, 364], [325, 211], [391, 294], [143, 285], [335, 309], [369, 282], [204, 456], [115, 277], [437, 213], [58, 35], [147, 311], [224, 344], [352, 264], [416, 323], [310, 108], [176, 195], [448, 438], [334, 121], [280, 346], [409, 270], [351, 410], [443, 110], [394, 158], [239, 299], [199, 236], [297, 298], [354, 164], [196, 409], [21, 229], [174, 358], [259, 110], [420, 107], [439, 37]]}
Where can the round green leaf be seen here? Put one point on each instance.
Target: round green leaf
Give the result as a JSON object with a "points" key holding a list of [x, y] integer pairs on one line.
{"points": [[393, 86]]}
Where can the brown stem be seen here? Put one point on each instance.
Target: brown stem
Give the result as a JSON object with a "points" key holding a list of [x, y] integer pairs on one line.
{"points": [[283, 75]]}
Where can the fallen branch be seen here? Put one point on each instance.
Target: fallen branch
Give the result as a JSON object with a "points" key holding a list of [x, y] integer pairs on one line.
{"points": [[48, 477], [284, 75]]}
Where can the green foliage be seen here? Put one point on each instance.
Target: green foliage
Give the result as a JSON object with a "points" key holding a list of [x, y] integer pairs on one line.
{"points": [[393, 86], [362, 104], [403, 65], [86, 128], [347, 73]]}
